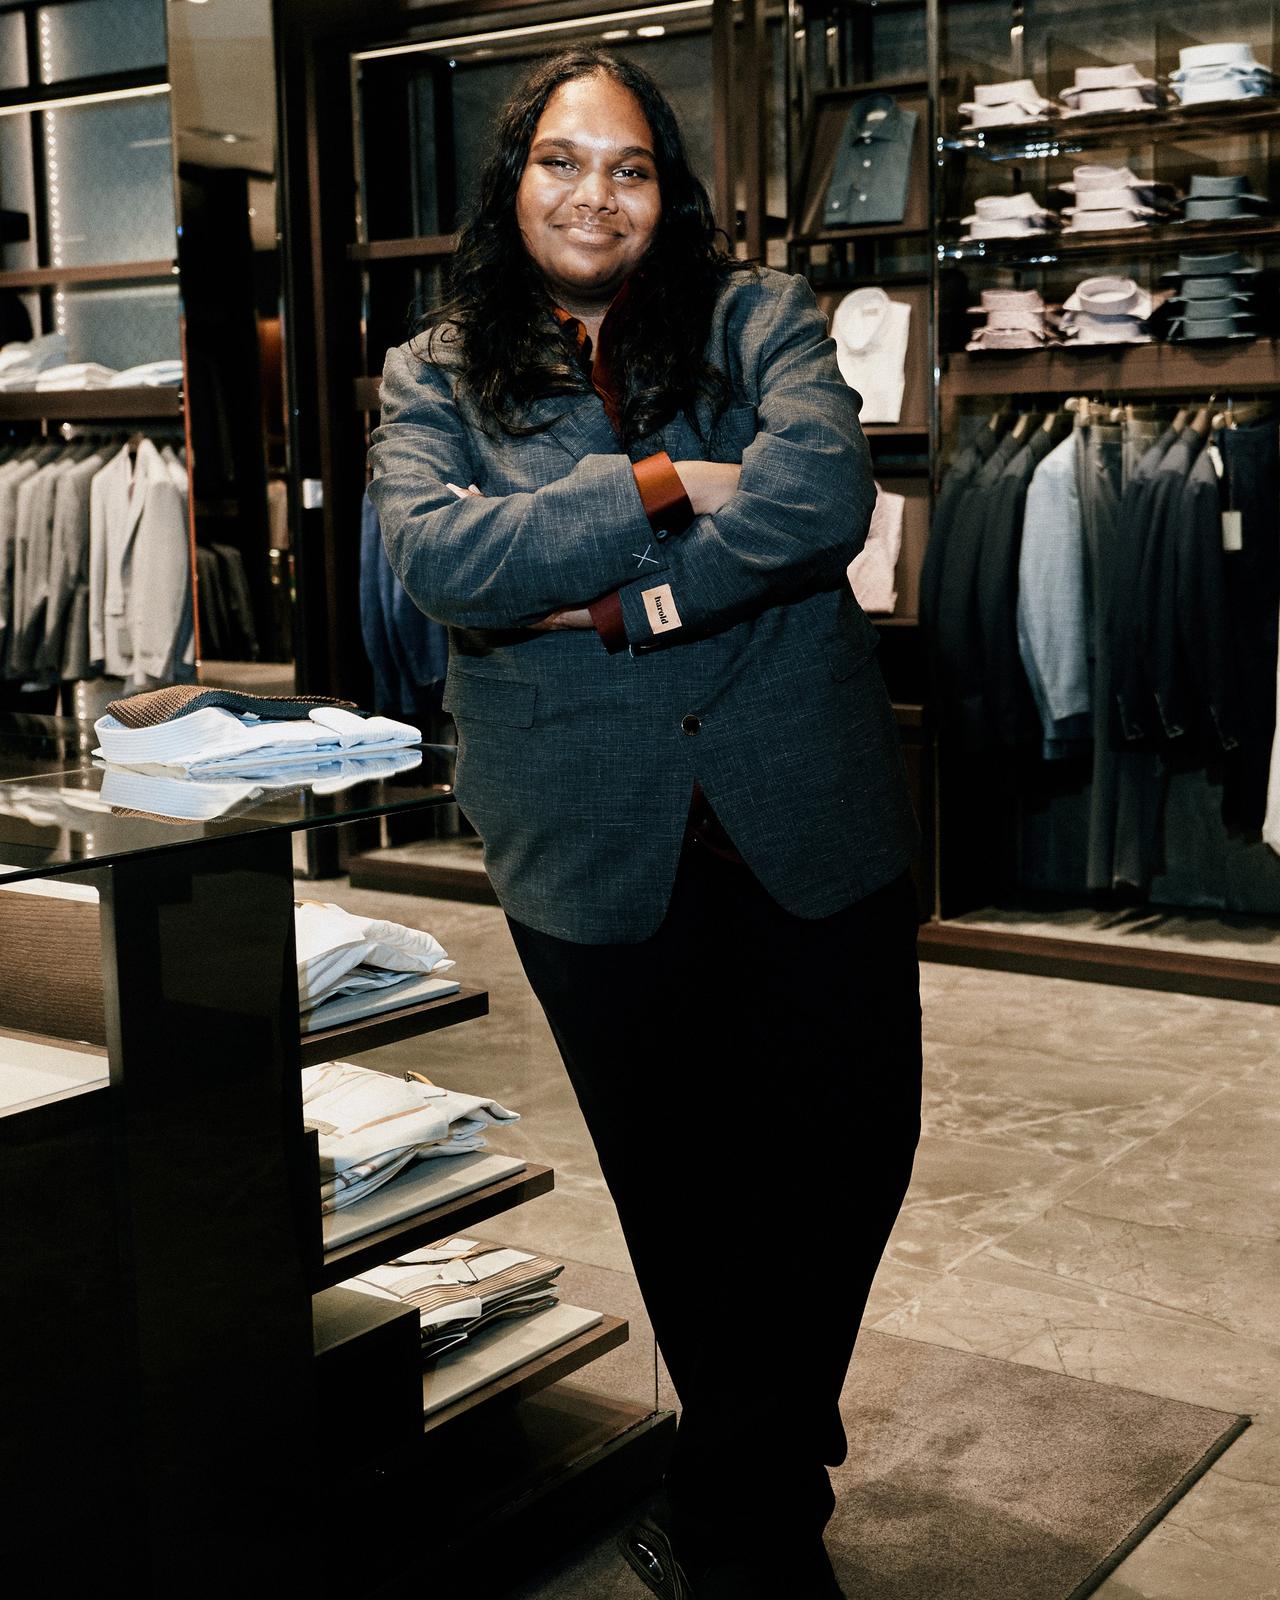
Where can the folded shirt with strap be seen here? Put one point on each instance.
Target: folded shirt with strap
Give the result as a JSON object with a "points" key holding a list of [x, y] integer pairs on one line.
{"points": [[371, 1125], [214, 739]]}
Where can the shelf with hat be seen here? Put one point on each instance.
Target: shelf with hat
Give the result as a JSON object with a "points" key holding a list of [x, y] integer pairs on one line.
{"points": [[1057, 136], [1162, 238]]}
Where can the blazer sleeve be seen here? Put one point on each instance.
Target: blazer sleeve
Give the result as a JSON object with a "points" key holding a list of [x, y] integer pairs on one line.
{"points": [[802, 507], [500, 561]]}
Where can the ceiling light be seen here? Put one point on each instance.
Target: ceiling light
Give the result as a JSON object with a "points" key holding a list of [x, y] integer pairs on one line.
{"points": [[576, 24], [654, 32], [616, 33]]}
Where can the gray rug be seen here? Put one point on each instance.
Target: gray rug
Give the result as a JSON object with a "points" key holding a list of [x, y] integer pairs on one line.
{"points": [[975, 1479]]}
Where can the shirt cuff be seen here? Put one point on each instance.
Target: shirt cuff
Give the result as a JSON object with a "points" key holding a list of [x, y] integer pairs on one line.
{"points": [[606, 615], [662, 494]]}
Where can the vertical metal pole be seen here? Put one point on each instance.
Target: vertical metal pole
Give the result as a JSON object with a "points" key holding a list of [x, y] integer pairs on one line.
{"points": [[754, 83], [722, 108]]}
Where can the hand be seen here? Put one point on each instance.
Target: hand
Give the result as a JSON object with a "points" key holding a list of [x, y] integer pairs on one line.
{"points": [[708, 484], [577, 617]]}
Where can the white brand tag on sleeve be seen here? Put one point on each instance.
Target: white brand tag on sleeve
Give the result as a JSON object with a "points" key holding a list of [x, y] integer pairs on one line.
{"points": [[660, 606], [1232, 530]]}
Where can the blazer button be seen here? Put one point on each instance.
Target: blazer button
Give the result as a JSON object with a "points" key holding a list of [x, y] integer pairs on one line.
{"points": [[691, 724]]}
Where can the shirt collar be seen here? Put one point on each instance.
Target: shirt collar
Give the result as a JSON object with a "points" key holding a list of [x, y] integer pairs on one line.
{"points": [[886, 128]]}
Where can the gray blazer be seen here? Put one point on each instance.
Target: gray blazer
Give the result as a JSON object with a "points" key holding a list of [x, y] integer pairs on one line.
{"points": [[751, 666]]}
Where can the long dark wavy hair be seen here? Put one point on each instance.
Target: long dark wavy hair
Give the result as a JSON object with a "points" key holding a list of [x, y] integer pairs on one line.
{"points": [[511, 351]]}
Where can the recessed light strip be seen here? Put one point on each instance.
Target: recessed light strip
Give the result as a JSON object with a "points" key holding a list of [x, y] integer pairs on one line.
{"points": [[569, 24], [99, 98]]}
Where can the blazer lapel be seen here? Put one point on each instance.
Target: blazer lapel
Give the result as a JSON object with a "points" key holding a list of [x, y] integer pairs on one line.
{"points": [[579, 426]]}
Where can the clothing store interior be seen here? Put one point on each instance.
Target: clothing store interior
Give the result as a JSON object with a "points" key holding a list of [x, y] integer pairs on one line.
{"points": [[1046, 235]]}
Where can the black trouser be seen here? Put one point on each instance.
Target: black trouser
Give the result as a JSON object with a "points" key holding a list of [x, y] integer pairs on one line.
{"points": [[751, 1080]]}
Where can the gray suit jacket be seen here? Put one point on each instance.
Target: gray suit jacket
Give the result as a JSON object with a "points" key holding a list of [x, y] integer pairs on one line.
{"points": [[751, 665]]}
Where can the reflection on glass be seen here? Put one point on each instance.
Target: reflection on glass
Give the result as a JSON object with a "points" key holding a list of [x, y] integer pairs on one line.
{"points": [[121, 327], [13, 54], [87, 38], [110, 182]]}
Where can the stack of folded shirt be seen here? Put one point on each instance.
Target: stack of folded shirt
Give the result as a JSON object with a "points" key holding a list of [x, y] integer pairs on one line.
{"points": [[22, 364], [1009, 216], [1017, 319], [1113, 197], [1219, 196], [76, 375], [1217, 297], [1108, 311], [1121, 88], [221, 730], [461, 1286], [151, 374], [1219, 72], [371, 1126], [157, 795], [1003, 105], [340, 954]]}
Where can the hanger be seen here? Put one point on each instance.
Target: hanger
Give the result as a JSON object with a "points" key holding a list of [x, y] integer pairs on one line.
{"points": [[1202, 422], [1180, 419]]}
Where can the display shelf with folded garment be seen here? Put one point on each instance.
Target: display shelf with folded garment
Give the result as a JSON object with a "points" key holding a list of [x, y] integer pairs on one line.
{"points": [[203, 926], [1066, 136]]}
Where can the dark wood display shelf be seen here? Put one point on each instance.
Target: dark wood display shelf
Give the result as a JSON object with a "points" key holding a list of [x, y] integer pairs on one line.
{"points": [[538, 1374], [895, 430], [893, 622], [442, 1221], [104, 272], [1165, 239], [1173, 971], [425, 247], [464, 880], [390, 1026], [1136, 369], [91, 405], [1065, 135]]}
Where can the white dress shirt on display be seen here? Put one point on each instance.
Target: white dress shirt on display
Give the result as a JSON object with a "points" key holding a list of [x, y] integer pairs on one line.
{"points": [[871, 334]]}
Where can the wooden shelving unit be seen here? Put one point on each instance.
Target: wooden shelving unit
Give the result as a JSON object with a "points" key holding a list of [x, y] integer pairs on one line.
{"points": [[103, 272], [145, 403], [368, 1033], [1129, 370], [456, 1216]]}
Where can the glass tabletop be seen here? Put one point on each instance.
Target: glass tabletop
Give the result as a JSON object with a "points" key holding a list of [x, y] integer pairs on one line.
{"points": [[62, 810]]}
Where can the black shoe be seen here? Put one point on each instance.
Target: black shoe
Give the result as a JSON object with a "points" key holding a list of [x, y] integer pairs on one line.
{"points": [[647, 1550]]}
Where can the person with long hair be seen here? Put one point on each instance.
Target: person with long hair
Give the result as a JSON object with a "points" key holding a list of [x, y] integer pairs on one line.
{"points": [[623, 468]]}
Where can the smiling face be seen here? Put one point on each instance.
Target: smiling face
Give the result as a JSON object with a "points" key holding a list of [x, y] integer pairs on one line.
{"points": [[588, 202]]}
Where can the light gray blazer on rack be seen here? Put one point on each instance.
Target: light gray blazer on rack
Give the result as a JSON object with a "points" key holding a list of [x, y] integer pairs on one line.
{"points": [[751, 666], [139, 569]]}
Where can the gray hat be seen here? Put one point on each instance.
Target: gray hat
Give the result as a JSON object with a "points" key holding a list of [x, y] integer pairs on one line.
{"points": [[1224, 263], [1222, 186], [1211, 328], [1211, 288]]}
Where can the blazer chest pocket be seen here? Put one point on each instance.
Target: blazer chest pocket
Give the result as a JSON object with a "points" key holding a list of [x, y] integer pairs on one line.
{"points": [[475, 696]]}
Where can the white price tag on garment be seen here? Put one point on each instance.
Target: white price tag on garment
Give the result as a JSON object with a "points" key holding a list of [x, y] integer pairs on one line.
{"points": [[1232, 530]]}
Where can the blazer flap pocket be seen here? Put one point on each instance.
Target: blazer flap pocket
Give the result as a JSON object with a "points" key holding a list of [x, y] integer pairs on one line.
{"points": [[479, 696], [849, 650]]}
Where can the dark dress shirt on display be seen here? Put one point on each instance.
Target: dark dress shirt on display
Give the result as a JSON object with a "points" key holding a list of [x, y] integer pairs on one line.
{"points": [[873, 164]]}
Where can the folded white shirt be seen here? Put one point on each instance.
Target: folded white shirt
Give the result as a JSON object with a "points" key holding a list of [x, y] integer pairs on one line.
{"points": [[217, 740], [150, 373], [78, 375], [339, 953], [371, 1125]]}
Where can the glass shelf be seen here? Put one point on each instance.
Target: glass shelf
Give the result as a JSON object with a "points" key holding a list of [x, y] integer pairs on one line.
{"points": [[1066, 136], [58, 813]]}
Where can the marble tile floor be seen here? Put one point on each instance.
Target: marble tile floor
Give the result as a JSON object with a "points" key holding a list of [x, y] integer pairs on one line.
{"points": [[1097, 1192]]}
